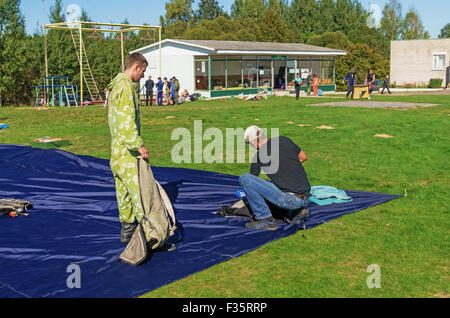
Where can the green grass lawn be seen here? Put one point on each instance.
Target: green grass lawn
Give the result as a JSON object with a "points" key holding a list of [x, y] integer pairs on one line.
{"points": [[408, 238]]}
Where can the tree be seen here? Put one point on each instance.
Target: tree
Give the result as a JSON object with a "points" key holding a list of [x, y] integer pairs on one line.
{"points": [[361, 58], [392, 21], [335, 40], [12, 51], [209, 10], [326, 19], [224, 29], [175, 30], [179, 14], [12, 22], [302, 18], [248, 9], [272, 27], [412, 28], [84, 16], [445, 32], [57, 14], [178, 10], [349, 15]]}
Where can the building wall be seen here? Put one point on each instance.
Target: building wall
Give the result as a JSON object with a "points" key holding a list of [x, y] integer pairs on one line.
{"points": [[412, 61], [176, 61]]}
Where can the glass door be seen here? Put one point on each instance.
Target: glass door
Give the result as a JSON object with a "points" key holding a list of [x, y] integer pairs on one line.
{"points": [[279, 69], [291, 71]]}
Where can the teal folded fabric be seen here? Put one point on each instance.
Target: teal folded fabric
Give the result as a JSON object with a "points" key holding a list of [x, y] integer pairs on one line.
{"points": [[326, 195]]}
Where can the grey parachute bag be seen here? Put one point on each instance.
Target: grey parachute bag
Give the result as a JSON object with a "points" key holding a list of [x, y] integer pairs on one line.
{"points": [[159, 221]]}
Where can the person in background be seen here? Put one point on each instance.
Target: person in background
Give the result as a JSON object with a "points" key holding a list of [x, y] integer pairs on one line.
{"points": [[106, 97], [168, 91], [297, 82], [370, 79], [149, 84], [351, 78], [176, 89], [386, 85], [185, 97], [159, 92], [315, 84], [309, 82], [172, 90]]}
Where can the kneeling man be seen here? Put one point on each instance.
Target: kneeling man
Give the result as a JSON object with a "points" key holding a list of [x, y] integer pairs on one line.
{"points": [[281, 159]]}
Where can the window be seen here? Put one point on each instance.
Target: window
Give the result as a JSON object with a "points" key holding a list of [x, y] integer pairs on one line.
{"points": [[291, 71], [265, 73], [316, 68], [218, 73], [438, 62], [234, 72], [327, 72], [250, 71]]}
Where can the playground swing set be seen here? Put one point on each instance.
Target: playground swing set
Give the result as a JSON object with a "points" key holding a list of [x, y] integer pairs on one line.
{"points": [[58, 89]]}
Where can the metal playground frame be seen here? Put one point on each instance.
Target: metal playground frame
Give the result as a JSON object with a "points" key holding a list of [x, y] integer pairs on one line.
{"points": [[76, 29]]}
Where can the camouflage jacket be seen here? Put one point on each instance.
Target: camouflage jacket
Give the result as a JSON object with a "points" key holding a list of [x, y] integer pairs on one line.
{"points": [[124, 118]]}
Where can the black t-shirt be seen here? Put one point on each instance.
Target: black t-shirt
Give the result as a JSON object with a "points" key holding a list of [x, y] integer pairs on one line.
{"points": [[287, 173]]}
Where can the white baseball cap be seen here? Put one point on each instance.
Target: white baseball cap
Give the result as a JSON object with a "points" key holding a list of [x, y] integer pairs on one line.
{"points": [[252, 133]]}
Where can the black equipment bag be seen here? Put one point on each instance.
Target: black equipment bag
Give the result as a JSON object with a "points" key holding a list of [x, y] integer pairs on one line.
{"points": [[241, 209]]}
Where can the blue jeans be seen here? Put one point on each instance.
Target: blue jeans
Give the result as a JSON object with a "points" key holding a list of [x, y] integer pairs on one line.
{"points": [[259, 190], [159, 98]]}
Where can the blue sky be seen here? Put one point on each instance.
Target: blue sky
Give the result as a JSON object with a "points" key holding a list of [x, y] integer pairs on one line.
{"points": [[434, 13]]}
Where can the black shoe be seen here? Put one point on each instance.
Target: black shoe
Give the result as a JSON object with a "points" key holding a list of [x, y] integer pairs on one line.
{"points": [[269, 224], [300, 217], [167, 247], [127, 232]]}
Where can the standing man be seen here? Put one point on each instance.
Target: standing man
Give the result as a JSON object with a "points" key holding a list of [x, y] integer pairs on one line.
{"points": [[297, 82], [149, 84], [172, 90], [370, 79], [159, 92], [309, 82], [351, 78], [281, 159], [386, 85], [126, 142], [176, 88], [168, 90]]}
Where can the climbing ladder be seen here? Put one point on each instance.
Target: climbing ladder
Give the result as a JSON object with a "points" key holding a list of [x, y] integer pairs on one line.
{"points": [[91, 85]]}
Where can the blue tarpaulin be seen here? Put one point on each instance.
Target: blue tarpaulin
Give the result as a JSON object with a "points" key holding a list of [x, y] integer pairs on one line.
{"points": [[74, 220]]}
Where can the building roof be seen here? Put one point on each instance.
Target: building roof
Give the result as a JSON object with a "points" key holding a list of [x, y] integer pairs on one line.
{"points": [[241, 47]]}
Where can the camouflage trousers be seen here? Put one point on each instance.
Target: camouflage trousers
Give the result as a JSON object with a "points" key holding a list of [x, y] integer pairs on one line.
{"points": [[127, 189]]}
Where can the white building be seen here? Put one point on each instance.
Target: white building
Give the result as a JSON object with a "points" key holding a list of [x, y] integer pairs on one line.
{"points": [[226, 68], [417, 61]]}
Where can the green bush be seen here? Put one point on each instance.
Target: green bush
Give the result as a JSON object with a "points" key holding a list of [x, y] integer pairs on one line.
{"points": [[436, 82]]}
